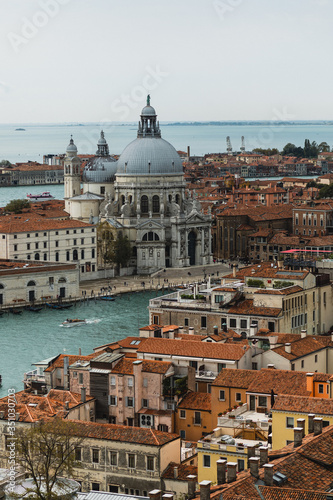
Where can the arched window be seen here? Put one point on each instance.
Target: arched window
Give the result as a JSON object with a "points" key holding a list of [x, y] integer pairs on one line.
{"points": [[1, 286], [31, 283], [75, 255], [37, 256], [67, 255], [150, 236], [156, 204], [45, 256], [62, 280], [82, 254], [177, 199], [57, 256], [123, 200], [144, 204]]}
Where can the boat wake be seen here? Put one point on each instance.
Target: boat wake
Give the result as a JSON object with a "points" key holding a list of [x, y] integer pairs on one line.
{"points": [[85, 322]]}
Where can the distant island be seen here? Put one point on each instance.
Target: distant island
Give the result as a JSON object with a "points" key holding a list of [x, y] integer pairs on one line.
{"points": [[19, 129]]}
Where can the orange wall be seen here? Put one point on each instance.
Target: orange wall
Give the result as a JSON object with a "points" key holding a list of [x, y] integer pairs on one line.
{"points": [[193, 432]]}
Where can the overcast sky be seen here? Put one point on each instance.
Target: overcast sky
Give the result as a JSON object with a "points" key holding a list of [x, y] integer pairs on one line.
{"points": [[201, 60]]}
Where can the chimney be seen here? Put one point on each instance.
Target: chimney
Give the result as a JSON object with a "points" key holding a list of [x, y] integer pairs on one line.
{"points": [[167, 496], [298, 435], [253, 329], [254, 466], [66, 405], [191, 484], [191, 330], [155, 495], [205, 490], [271, 366], [188, 152], [2, 413], [251, 452], [80, 351], [332, 336], [317, 426], [311, 416], [287, 348], [175, 472], [171, 334], [309, 383], [181, 329], [268, 478], [263, 455], [303, 334], [232, 473], [234, 271], [216, 330], [301, 423], [83, 395], [17, 417], [221, 466]]}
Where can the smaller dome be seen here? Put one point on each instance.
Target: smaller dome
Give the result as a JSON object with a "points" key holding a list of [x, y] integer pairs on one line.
{"points": [[101, 140], [148, 110], [71, 148]]}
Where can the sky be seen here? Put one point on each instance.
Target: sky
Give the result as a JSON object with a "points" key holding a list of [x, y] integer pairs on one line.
{"points": [[200, 60]]}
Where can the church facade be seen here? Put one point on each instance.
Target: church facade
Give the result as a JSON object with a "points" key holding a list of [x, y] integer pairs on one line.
{"points": [[143, 194]]}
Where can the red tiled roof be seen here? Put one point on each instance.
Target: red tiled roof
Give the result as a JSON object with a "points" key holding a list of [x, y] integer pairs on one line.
{"points": [[303, 404], [240, 379], [183, 470], [192, 348], [246, 307], [196, 401], [72, 358], [304, 346]]}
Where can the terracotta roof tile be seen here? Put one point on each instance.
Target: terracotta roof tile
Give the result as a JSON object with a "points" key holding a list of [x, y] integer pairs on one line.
{"points": [[235, 378], [303, 404], [196, 401], [246, 307], [183, 470]]}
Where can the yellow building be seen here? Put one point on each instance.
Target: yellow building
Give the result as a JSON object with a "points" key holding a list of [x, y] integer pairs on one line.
{"points": [[294, 411], [193, 418]]}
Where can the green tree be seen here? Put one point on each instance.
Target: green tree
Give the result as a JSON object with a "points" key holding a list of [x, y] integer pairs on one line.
{"points": [[323, 147], [292, 150], [122, 251], [326, 191], [16, 206], [310, 149], [266, 152], [5, 163], [47, 452]]}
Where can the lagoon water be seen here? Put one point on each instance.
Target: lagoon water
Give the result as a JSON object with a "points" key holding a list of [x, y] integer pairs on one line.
{"points": [[32, 337], [37, 140]]}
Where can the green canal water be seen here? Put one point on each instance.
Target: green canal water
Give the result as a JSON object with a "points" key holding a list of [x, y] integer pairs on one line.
{"points": [[32, 337]]}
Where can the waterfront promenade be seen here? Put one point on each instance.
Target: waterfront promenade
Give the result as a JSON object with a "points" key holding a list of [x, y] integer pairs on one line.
{"points": [[169, 277]]}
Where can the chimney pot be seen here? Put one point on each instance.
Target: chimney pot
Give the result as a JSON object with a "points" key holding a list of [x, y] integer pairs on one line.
{"points": [[303, 334], [191, 330], [221, 466], [191, 485], [287, 348], [311, 416], [263, 455], [251, 451], [205, 490], [317, 426], [168, 496], [232, 473], [254, 466], [298, 435], [67, 405], [268, 478], [155, 494], [175, 472], [83, 394], [301, 423]]}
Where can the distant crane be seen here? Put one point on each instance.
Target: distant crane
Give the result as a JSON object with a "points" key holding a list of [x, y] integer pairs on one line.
{"points": [[229, 147], [242, 148]]}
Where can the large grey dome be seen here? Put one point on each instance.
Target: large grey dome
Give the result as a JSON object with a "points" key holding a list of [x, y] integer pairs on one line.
{"points": [[149, 155], [148, 111]]}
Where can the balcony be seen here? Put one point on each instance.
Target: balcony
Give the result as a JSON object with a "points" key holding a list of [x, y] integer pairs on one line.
{"points": [[206, 374], [33, 376]]}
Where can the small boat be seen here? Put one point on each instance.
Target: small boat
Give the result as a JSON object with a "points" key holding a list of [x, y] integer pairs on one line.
{"points": [[34, 309], [20, 129], [15, 311], [40, 197], [74, 322], [106, 297], [58, 306]]}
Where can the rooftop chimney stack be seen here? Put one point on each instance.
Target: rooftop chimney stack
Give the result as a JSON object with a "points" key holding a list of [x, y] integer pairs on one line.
{"points": [[205, 490], [216, 330], [311, 416], [251, 452], [66, 405], [191, 484], [268, 478], [175, 472], [303, 334], [221, 466], [171, 334], [298, 435], [254, 466], [232, 472], [317, 426], [155, 495], [83, 395], [191, 330], [287, 348], [263, 455], [301, 423], [181, 329], [167, 496]]}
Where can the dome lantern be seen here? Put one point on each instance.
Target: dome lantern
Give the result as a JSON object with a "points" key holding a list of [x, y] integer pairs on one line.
{"points": [[148, 126]]}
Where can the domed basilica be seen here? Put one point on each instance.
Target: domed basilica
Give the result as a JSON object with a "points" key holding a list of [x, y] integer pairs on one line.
{"points": [[143, 194]]}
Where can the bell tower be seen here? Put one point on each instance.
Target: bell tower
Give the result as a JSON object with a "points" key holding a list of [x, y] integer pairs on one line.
{"points": [[72, 176]]}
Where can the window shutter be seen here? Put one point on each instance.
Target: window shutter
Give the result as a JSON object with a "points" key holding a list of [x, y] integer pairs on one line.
{"points": [[109, 399], [126, 401]]}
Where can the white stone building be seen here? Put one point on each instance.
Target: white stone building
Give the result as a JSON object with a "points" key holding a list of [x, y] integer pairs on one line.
{"points": [[144, 197]]}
